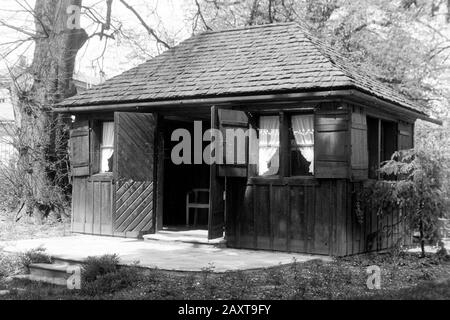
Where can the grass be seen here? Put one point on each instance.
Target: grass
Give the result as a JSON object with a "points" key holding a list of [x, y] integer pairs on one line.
{"points": [[403, 276], [430, 290], [37, 255]]}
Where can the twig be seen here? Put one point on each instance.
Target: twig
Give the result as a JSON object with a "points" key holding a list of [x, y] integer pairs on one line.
{"points": [[145, 25], [200, 14], [30, 34]]}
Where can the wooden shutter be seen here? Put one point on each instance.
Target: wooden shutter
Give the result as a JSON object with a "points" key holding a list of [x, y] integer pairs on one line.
{"points": [[405, 135], [359, 148], [331, 143], [235, 152], [79, 148], [134, 146]]}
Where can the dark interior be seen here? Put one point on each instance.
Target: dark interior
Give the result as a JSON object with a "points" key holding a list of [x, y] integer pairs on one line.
{"points": [[388, 139], [380, 150], [180, 179], [372, 143]]}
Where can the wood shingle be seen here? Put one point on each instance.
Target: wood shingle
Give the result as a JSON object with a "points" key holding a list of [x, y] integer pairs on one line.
{"points": [[271, 58]]}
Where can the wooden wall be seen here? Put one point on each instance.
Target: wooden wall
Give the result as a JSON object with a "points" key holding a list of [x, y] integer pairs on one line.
{"points": [[119, 203], [375, 232], [308, 216], [287, 215], [101, 206], [92, 205]]}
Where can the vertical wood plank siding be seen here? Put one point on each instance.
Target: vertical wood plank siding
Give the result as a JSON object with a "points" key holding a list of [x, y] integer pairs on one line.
{"points": [[92, 206], [311, 216]]}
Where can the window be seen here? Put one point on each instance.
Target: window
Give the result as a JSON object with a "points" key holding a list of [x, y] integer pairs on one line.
{"points": [[297, 136], [382, 143], [107, 147], [302, 145], [269, 146]]}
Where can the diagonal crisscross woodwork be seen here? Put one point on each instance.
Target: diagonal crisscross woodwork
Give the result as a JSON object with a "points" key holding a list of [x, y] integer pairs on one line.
{"points": [[134, 206]]}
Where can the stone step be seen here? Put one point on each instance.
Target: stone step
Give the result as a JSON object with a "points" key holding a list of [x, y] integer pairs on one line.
{"points": [[185, 237], [48, 270], [50, 280], [66, 262]]}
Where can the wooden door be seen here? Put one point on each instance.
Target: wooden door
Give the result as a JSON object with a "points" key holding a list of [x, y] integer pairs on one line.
{"points": [[216, 218], [234, 169], [134, 173]]}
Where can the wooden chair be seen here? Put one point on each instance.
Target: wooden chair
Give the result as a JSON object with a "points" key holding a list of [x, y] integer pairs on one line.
{"points": [[195, 203]]}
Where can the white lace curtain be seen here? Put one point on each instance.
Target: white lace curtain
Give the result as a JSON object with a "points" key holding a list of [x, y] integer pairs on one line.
{"points": [[269, 145], [303, 130], [107, 146]]}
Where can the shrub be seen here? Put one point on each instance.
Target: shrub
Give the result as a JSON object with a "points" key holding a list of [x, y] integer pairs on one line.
{"points": [[9, 265], [95, 267], [111, 282], [414, 184], [103, 275], [37, 255], [442, 251]]}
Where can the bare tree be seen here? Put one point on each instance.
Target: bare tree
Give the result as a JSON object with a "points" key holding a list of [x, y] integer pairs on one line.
{"points": [[42, 136]]}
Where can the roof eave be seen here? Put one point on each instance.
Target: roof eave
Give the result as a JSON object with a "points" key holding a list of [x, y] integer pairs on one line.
{"points": [[207, 101], [384, 104], [312, 95]]}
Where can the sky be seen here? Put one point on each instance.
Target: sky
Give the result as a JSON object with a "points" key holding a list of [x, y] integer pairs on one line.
{"points": [[94, 61]]}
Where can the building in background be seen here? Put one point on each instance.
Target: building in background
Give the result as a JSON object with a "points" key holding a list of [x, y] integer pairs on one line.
{"points": [[7, 123]]}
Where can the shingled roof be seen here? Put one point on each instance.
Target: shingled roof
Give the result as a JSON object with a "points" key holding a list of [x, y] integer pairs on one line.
{"points": [[273, 58]]}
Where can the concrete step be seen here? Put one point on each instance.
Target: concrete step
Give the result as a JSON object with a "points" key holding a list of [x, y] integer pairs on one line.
{"points": [[53, 273], [190, 237], [50, 280], [47, 270], [66, 262]]}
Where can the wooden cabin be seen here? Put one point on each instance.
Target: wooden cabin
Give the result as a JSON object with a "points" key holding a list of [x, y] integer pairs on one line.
{"points": [[334, 125]]}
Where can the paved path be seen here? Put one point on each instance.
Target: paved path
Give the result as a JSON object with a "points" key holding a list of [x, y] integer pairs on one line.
{"points": [[161, 254]]}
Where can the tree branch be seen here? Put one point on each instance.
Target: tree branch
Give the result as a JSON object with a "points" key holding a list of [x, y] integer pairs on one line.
{"points": [[28, 33], [145, 25], [200, 14]]}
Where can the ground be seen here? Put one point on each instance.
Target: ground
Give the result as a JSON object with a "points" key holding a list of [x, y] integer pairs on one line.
{"points": [[403, 276], [164, 255], [25, 228]]}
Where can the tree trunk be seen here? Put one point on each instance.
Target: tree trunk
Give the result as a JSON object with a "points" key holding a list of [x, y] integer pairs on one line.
{"points": [[50, 81], [422, 240]]}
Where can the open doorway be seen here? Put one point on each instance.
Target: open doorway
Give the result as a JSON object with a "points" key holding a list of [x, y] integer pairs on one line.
{"points": [[181, 180]]}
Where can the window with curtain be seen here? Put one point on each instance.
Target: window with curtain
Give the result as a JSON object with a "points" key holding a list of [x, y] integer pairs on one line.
{"points": [[302, 145], [269, 145], [107, 147]]}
